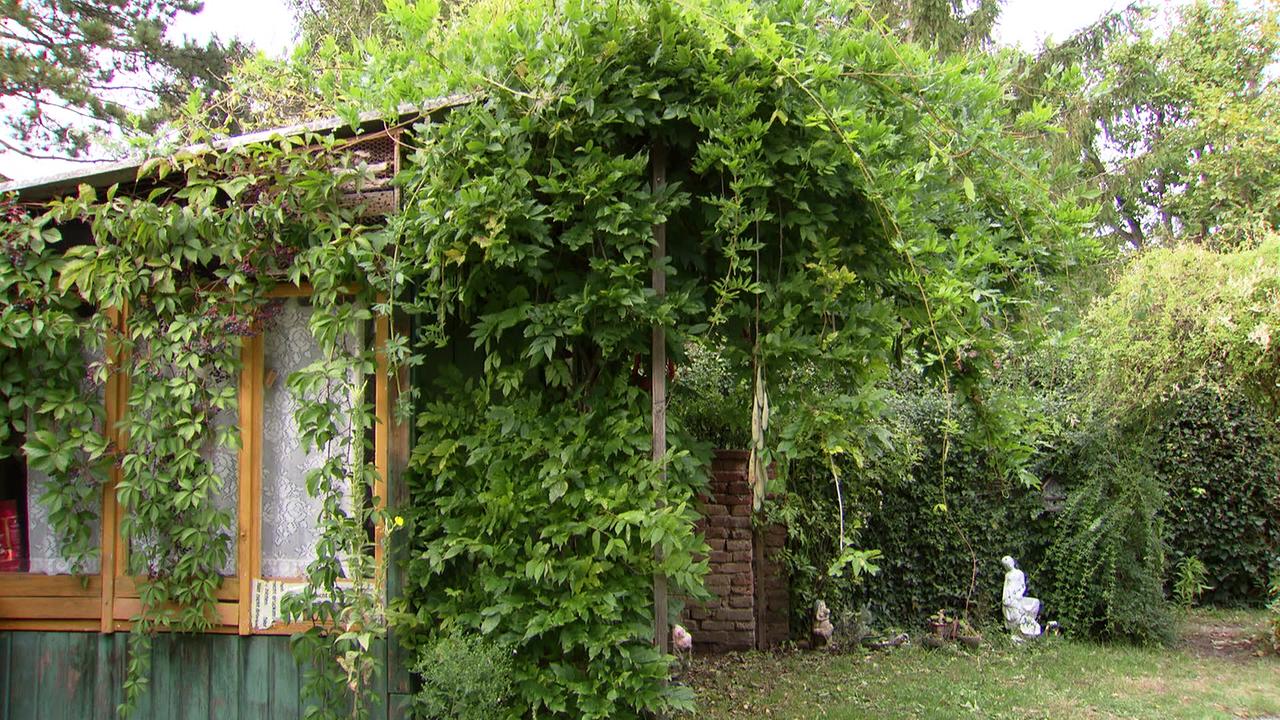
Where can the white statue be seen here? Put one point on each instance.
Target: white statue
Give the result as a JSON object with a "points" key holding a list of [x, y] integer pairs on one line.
{"points": [[1020, 611]]}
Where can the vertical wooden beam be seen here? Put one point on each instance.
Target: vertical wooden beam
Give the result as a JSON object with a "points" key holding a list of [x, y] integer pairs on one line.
{"points": [[382, 428], [117, 399], [399, 442], [658, 395], [249, 520]]}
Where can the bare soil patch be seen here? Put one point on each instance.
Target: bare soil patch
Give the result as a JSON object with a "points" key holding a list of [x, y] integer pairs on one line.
{"points": [[1230, 637]]}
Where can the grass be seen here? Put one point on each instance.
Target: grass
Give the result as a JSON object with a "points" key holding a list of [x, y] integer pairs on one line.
{"points": [[1054, 678]]}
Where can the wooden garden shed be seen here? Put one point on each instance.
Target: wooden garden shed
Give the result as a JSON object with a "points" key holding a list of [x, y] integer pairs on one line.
{"points": [[64, 637]]}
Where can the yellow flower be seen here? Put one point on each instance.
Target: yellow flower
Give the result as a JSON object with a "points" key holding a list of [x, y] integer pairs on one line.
{"points": [[399, 521]]}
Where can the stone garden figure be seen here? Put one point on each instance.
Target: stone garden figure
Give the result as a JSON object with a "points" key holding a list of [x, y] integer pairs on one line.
{"points": [[822, 627], [1020, 611]]}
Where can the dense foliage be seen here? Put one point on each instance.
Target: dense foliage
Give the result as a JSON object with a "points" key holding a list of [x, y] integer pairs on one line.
{"points": [[836, 199], [1180, 317], [1107, 561], [463, 677], [1218, 459]]}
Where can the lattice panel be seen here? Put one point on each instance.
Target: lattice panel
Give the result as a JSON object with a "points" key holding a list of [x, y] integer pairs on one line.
{"points": [[377, 195]]}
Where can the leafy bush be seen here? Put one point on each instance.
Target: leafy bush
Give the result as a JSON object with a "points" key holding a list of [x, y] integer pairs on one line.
{"points": [[1216, 454], [1107, 559], [932, 532], [464, 677], [1188, 582]]}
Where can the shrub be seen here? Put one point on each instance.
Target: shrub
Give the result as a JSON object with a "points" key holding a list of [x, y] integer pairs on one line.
{"points": [[464, 677], [1108, 557], [1188, 583]]}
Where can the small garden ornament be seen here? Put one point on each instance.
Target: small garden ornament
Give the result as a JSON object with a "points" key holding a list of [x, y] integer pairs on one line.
{"points": [[822, 627], [682, 643], [1020, 611]]}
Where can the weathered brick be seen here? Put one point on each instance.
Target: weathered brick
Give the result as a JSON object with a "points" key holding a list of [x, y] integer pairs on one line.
{"points": [[736, 614]]}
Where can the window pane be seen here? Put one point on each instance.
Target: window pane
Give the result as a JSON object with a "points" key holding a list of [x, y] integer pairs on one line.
{"points": [[226, 465], [290, 526], [30, 542], [45, 548]]}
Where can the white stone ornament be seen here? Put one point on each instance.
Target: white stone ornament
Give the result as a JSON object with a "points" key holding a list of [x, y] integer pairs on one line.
{"points": [[1020, 611]]}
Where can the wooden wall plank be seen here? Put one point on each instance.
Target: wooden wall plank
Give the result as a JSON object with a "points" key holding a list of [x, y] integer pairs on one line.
{"points": [[284, 681], [399, 445], [164, 683], [224, 677], [80, 674], [50, 608], [24, 675], [104, 678], [195, 679], [127, 587], [55, 675], [255, 692], [381, 706], [6, 641], [398, 707], [119, 670], [29, 585]]}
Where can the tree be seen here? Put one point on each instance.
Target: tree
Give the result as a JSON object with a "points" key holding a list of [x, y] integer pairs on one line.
{"points": [[73, 69], [1178, 129], [948, 26], [342, 20]]}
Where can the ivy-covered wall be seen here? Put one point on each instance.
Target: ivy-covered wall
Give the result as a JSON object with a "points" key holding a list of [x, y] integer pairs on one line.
{"points": [[1217, 456]]}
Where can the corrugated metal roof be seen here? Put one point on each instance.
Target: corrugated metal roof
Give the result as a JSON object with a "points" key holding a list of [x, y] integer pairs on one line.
{"points": [[127, 170]]}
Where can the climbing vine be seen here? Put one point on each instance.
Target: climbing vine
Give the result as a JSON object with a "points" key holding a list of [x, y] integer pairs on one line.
{"points": [[836, 200]]}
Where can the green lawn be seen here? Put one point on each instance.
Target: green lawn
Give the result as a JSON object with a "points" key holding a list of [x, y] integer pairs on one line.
{"points": [[1055, 678]]}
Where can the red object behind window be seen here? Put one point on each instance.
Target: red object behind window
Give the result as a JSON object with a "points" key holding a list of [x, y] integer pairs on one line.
{"points": [[11, 551]]}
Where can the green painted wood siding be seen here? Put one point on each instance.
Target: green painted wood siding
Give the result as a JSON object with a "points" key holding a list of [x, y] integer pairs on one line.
{"points": [[77, 676]]}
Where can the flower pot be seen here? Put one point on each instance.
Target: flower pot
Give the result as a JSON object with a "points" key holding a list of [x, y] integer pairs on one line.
{"points": [[945, 630]]}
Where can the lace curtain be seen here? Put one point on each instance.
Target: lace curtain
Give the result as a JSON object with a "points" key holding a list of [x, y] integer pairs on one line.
{"points": [[45, 548], [226, 465], [290, 515]]}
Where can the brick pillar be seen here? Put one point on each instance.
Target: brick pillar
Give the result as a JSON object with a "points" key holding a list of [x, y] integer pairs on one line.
{"points": [[743, 614]]}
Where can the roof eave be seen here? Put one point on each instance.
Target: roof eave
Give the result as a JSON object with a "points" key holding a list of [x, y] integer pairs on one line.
{"points": [[104, 175]]}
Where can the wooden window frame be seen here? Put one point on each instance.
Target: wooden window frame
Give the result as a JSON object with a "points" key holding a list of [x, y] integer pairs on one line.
{"points": [[106, 601]]}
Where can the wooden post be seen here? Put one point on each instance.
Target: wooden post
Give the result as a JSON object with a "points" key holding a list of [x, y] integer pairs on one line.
{"points": [[658, 379]]}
